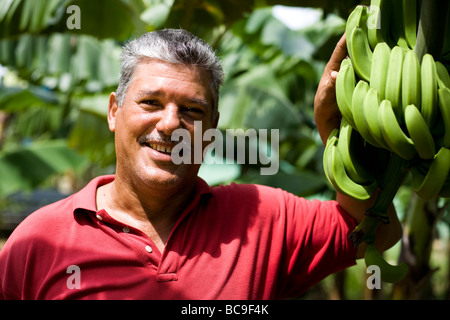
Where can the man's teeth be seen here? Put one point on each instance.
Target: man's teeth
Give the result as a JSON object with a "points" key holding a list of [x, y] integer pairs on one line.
{"points": [[160, 148]]}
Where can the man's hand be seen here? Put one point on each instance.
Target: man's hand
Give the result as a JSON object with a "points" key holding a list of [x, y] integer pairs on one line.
{"points": [[326, 111]]}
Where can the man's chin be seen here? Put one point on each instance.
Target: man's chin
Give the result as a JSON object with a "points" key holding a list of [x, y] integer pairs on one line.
{"points": [[168, 178]]}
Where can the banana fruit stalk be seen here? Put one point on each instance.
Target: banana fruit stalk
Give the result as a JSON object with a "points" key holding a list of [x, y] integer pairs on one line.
{"points": [[395, 108], [390, 273]]}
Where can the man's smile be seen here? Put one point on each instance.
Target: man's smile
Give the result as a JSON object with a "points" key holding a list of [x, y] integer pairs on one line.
{"points": [[160, 148]]}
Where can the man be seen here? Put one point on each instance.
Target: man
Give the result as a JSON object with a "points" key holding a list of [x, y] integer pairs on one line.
{"points": [[155, 230]]}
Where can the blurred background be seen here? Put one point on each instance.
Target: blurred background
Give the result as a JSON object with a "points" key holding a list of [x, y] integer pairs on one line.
{"points": [[59, 61]]}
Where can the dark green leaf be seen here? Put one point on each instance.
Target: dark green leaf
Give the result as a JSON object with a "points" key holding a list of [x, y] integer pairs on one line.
{"points": [[25, 168]]}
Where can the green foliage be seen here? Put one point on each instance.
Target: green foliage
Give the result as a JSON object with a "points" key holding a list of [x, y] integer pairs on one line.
{"points": [[54, 96], [64, 76], [26, 168]]}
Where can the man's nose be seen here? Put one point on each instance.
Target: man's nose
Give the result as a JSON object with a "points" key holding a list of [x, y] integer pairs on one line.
{"points": [[170, 120]]}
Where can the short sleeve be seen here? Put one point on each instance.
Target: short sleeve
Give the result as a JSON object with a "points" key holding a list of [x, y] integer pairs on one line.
{"points": [[317, 243]]}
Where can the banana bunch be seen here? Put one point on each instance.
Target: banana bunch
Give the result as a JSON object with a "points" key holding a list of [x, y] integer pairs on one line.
{"points": [[395, 110], [392, 101]]}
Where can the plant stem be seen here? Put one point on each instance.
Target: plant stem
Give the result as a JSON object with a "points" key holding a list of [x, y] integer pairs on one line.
{"points": [[430, 31], [389, 183]]}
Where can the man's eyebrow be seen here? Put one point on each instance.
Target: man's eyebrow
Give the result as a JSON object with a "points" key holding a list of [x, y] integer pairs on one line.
{"points": [[148, 93], [158, 93], [200, 102]]}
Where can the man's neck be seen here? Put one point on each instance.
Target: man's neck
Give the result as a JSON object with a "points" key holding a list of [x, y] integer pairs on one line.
{"points": [[153, 212]]}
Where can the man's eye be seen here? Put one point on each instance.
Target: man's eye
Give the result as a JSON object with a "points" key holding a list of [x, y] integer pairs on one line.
{"points": [[193, 110], [151, 103], [194, 113]]}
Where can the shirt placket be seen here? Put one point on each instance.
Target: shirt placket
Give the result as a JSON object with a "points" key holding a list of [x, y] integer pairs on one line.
{"points": [[140, 242], [165, 263]]}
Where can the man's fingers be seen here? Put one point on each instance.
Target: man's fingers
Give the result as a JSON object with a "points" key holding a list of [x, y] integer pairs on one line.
{"points": [[333, 76], [331, 70], [326, 111], [339, 54]]}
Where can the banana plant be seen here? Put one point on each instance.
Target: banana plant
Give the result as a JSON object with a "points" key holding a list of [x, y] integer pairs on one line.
{"points": [[389, 91]]}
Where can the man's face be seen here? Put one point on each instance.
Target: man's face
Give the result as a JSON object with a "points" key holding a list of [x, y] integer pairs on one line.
{"points": [[161, 98]]}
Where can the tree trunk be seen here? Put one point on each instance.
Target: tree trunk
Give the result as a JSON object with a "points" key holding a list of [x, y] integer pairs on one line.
{"points": [[418, 236]]}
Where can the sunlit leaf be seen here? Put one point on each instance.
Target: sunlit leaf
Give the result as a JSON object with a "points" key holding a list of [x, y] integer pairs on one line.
{"points": [[19, 99], [157, 12]]}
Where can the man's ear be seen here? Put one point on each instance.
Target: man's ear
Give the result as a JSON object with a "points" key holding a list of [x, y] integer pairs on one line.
{"points": [[112, 110]]}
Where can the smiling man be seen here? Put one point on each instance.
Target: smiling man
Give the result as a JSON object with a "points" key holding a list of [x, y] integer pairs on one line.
{"points": [[155, 230], [162, 97]]}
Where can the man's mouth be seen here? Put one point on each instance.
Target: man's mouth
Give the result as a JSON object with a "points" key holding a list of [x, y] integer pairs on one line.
{"points": [[159, 148]]}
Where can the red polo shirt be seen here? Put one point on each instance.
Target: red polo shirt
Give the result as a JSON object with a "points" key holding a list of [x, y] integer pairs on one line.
{"points": [[230, 242]]}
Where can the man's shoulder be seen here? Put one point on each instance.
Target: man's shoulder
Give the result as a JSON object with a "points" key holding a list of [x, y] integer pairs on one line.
{"points": [[246, 194]]}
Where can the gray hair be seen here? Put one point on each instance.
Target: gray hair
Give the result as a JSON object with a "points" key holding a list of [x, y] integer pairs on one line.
{"points": [[174, 46]]}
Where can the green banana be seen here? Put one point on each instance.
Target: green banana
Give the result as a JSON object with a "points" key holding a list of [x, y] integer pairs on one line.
{"points": [[345, 85], [374, 23], [379, 69], [419, 132], [371, 106], [388, 273], [331, 140], [397, 25], [430, 184], [443, 76], [409, 8], [393, 91], [393, 134], [444, 105], [411, 80], [340, 179], [356, 19], [349, 149], [429, 87], [378, 22], [360, 53], [361, 89]]}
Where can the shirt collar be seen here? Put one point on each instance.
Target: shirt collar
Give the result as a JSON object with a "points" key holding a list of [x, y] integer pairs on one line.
{"points": [[85, 199]]}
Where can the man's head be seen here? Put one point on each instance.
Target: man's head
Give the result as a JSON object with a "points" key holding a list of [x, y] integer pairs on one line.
{"points": [[174, 46], [170, 79]]}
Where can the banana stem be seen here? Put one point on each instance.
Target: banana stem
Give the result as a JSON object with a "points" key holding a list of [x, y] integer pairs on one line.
{"points": [[430, 31], [389, 183]]}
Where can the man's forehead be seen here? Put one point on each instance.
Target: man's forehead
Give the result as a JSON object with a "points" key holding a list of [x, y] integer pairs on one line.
{"points": [[153, 68], [154, 78], [157, 64]]}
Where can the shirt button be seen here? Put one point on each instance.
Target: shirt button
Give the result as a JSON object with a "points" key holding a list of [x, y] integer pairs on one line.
{"points": [[126, 229], [148, 249], [99, 217]]}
